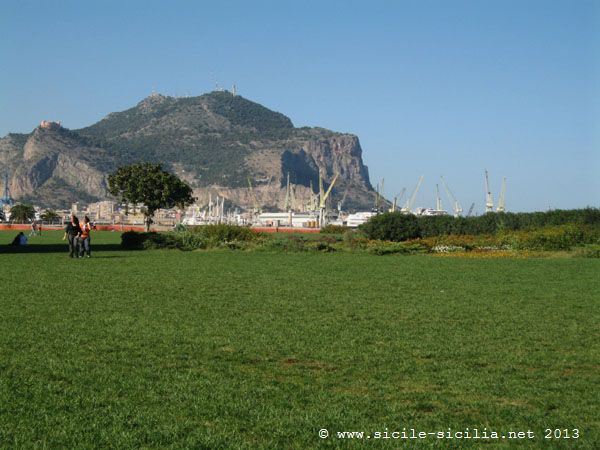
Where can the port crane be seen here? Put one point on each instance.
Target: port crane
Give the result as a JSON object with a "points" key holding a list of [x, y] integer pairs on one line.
{"points": [[379, 194], [409, 204], [501, 200], [438, 199], [398, 199], [489, 200], [455, 205], [471, 209], [341, 202], [323, 195]]}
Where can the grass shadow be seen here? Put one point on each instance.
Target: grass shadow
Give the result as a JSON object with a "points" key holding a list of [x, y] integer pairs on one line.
{"points": [[55, 248]]}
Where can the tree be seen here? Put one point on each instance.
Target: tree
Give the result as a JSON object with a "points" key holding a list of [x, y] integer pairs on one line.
{"points": [[49, 216], [2, 216], [149, 185], [22, 213]]}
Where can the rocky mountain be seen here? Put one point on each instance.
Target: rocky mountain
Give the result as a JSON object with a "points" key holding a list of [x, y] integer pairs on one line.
{"points": [[216, 142]]}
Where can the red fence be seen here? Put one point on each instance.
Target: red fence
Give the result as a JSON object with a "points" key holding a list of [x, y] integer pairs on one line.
{"points": [[285, 230], [20, 227], [24, 226]]}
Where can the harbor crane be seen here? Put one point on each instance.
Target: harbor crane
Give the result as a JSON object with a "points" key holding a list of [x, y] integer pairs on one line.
{"points": [[341, 202], [438, 199], [379, 195], [489, 200], [323, 195], [398, 199], [409, 204], [455, 205], [256, 208], [471, 209], [501, 200]]}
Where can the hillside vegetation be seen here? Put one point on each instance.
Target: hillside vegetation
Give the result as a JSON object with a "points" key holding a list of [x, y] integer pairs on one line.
{"points": [[209, 134]]}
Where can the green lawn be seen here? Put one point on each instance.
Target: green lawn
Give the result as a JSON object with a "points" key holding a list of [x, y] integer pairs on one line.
{"points": [[225, 349]]}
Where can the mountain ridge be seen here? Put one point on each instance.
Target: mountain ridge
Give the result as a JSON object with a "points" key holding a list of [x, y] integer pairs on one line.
{"points": [[216, 142]]}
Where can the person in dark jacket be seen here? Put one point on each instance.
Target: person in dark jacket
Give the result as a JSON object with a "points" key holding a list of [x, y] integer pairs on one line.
{"points": [[72, 233], [20, 240]]}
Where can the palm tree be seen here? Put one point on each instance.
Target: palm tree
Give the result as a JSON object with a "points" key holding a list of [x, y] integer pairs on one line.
{"points": [[22, 213], [50, 216]]}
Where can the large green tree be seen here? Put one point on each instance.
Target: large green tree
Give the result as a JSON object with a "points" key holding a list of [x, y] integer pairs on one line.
{"points": [[22, 213], [148, 184]]}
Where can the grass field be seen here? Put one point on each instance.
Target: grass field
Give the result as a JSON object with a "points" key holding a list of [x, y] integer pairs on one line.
{"points": [[231, 349]]}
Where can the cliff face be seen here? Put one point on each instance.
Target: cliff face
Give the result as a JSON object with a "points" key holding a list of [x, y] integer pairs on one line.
{"points": [[56, 169], [216, 142]]}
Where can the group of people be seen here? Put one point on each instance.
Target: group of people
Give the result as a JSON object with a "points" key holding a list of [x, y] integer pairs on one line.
{"points": [[78, 236]]}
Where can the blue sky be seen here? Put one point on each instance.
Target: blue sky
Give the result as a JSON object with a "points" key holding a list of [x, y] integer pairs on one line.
{"points": [[430, 87]]}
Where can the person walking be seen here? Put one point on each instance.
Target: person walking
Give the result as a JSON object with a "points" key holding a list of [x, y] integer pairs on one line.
{"points": [[72, 233], [84, 238]]}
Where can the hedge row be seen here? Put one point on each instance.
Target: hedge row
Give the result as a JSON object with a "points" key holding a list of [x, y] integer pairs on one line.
{"points": [[562, 237], [399, 227]]}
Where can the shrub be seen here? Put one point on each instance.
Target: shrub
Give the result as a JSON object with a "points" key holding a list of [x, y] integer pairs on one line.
{"points": [[390, 248], [334, 229], [394, 227], [321, 245], [355, 240], [214, 235], [191, 241], [161, 240], [588, 251], [132, 240], [209, 236], [466, 242], [562, 237], [286, 244]]}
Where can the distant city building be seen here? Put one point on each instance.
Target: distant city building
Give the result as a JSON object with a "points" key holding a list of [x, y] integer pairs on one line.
{"points": [[103, 211]]}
